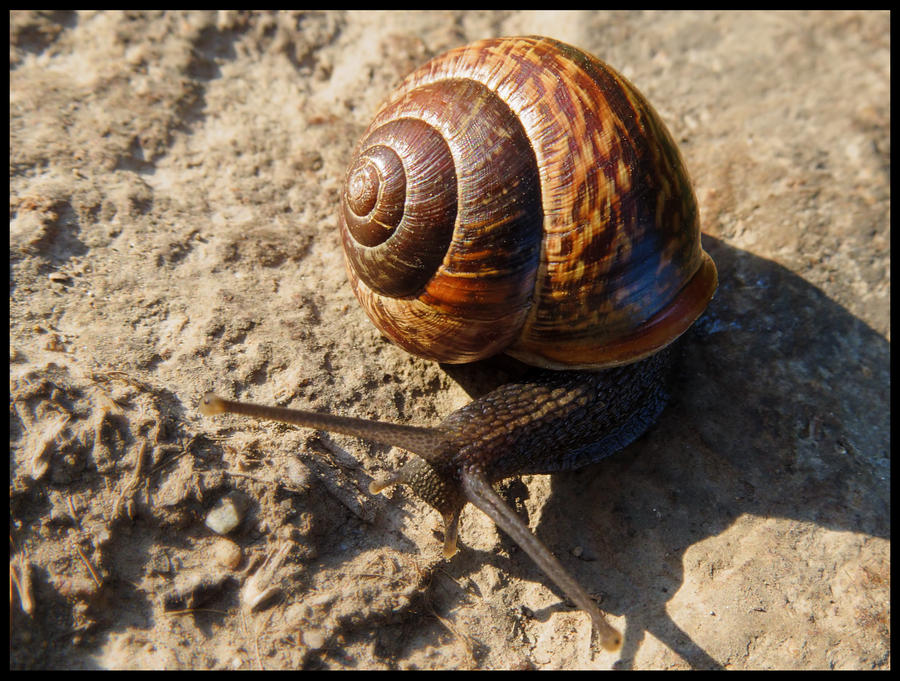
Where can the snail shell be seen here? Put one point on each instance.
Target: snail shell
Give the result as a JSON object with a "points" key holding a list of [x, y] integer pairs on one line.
{"points": [[519, 195]]}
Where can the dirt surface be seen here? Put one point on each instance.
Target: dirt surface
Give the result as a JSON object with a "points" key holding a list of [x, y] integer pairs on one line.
{"points": [[173, 189]]}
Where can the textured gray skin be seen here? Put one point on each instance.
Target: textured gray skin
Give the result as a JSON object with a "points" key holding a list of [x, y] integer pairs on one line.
{"points": [[559, 420], [551, 421]]}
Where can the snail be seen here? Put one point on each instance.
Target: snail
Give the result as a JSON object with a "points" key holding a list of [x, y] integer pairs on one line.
{"points": [[519, 196]]}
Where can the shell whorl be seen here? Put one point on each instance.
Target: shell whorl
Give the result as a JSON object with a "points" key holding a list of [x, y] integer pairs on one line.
{"points": [[558, 222]]}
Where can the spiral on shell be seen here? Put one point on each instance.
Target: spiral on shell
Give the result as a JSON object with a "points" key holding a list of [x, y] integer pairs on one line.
{"points": [[518, 195]]}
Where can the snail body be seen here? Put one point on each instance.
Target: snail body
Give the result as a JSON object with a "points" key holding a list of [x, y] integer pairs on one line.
{"points": [[517, 195]]}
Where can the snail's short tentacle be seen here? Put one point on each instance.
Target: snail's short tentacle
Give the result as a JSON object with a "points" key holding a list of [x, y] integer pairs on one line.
{"points": [[451, 531], [433, 487], [450, 515], [478, 490]]}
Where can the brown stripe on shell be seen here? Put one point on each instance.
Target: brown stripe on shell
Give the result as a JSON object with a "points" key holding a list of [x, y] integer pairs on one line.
{"points": [[474, 303], [420, 330], [621, 244], [402, 262]]}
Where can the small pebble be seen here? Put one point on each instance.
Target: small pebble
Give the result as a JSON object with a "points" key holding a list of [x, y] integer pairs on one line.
{"points": [[227, 553], [227, 514], [314, 639]]}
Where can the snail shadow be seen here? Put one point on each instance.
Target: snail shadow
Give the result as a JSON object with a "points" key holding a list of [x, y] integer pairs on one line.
{"points": [[780, 410]]}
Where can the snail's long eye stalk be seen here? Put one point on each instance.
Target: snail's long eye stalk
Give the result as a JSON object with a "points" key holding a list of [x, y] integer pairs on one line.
{"points": [[424, 442], [421, 441], [479, 491]]}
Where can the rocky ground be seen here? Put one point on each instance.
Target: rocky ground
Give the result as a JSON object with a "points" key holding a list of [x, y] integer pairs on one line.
{"points": [[173, 189]]}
